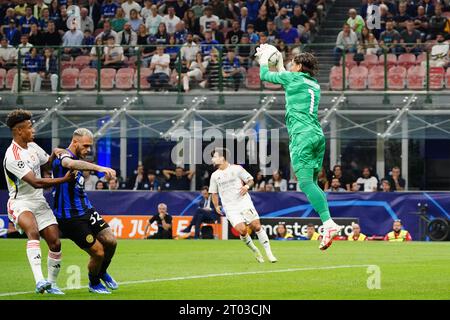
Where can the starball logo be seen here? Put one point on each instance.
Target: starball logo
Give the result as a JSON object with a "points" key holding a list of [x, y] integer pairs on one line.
{"points": [[373, 17]]}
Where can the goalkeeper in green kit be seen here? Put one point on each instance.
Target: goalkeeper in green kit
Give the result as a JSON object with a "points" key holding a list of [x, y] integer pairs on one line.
{"points": [[306, 138]]}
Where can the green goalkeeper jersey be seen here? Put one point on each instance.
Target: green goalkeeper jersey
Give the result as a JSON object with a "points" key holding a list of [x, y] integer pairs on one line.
{"points": [[302, 99]]}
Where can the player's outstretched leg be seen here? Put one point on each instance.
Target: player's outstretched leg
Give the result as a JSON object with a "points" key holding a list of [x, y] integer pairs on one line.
{"points": [[27, 222], [95, 264], [263, 239], [51, 236], [245, 237], [109, 242], [318, 201]]}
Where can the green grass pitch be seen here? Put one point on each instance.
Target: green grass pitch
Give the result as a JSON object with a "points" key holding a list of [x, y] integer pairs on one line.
{"points": [[211, 269]]}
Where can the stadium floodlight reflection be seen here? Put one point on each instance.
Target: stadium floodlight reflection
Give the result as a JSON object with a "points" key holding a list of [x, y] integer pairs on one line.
{"points": [[396, 122], [48, 115], [329, 112], [266, 104]]}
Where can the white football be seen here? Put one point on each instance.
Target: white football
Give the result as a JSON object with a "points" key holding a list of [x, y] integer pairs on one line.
{"points": [[273, 59]]}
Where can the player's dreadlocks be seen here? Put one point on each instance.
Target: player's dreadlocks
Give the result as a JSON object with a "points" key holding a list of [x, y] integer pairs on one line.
{"points": [[17, 116], [309, 63]]}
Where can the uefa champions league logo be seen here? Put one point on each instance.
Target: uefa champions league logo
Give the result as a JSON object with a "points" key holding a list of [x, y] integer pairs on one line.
{"points": [[373, 17]]}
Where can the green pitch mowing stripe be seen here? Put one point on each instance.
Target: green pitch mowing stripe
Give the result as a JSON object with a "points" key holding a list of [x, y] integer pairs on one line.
{"points": [[189, 269]]}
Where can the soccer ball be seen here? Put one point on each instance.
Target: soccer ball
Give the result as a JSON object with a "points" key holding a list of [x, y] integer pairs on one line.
{"points": [[273, 59]]}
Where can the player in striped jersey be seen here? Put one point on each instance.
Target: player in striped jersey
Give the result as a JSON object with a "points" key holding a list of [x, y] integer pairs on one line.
{"points": [[77, 218], [27, 207]]}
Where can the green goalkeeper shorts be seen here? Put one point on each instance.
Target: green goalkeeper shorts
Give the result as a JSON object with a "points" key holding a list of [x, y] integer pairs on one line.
{"points": [[307, 151]]}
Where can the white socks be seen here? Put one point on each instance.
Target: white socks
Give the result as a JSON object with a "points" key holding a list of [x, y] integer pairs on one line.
{"points": [[329, 223], [264, 240], [54, 265], [34, 258], [249, 243]]}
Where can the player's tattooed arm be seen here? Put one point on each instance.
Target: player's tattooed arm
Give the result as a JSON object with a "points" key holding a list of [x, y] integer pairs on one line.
{"points": [[41, 183], [83, 166]]}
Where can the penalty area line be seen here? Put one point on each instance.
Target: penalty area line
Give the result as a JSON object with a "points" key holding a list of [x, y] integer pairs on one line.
{"points": [[213, 275]]}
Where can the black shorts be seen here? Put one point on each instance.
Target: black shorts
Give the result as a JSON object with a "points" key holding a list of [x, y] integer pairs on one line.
{"points": [[83, 230]]}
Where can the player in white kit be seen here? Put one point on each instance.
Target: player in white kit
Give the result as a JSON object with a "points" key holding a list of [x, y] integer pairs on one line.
{"points": [[232, 183], [27, 207]]}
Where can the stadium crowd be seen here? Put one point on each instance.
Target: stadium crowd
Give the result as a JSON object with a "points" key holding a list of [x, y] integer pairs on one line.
{"points": [[158, 31]]}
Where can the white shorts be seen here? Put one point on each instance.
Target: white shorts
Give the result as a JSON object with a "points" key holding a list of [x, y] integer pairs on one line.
{"points": [[40, 209], [247, 216]]}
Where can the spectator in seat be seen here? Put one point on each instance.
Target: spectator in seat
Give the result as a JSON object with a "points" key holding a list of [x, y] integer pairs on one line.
{"points": [[130, 5], [164, 222], [253, 9], [346, 43], [283, 233], [61, 23], [159, 79], [385, 186], [421, 22], [90, 180], [86, 22], [389, 39], [179, 179], [252, 35], [26, 21], [181, 32], [72, 40], [212, 71], [429, 7], [208, 44], [153, 20], [369, 182], [367, 43], [269, 188], [272, 8], [207, 18], [171, 20], [356, 234], [191, 22], [278, 182], [135, 21], [189, 50], [398, 234], [259, 182], [244, 19], [127, 39], [289, 35], [395, 180], [232, 12], [100, 185], [205, 213], [180, 7], [30, 71], [143, 43], [151, 183], [216, 34], [97, 53], [355, 21], [88, 42], [402, 17], [438, 22], [410, 39], [108, 10], [234, 35], [232, 71], [172, 50], [338, 173], [94, 11], [244, 51], [311, 233], [6, 18], [55, 12], [198, 8], [335, 186], [261, 21], [11, 33], [299, 18], [35, 37], [44, 20], [322, 179], [137, 181], [8, 55], [107, 31], [271, 33], [118, 23], [113, 184], [52, 37], [147, 9], [355, 187], [49, 70], [161, 37], [113, 54], [196, 70], [439, 53], [278, 21]]}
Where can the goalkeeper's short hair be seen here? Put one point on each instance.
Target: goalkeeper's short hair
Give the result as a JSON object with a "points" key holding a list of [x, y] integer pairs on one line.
{"points": [[309, 63]]}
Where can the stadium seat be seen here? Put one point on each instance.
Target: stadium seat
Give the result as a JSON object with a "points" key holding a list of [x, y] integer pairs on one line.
{"points": [[271, 86], [10, 77], [349, 62], [396, 78], [391, 60], [2, 78], [447, 79], [336, 77], [252, 80], [415, 78], [124, 78], [437, 75], [69, 78], [370, 61], [407, 60], [107, 76], [65, 64], [357, 78], [145, 72], [81, 62], [376, 78], [88, 79], [421, 57]]}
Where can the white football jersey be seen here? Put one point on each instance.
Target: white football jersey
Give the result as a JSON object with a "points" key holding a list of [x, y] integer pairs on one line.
{"points": [[17, 163], [228, 183]]}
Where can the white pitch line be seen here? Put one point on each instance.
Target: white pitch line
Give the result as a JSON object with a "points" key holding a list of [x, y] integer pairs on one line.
{"points": [[214, 275]]}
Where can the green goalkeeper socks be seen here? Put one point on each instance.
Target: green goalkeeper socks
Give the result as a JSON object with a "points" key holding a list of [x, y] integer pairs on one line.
{"points": [[316, 196]]}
